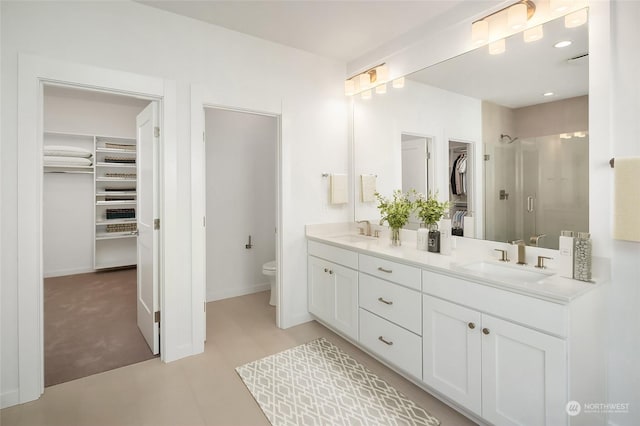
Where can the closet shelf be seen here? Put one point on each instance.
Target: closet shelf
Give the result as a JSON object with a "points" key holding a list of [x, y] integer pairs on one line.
{"points": [[123, 165], [114, 179], [115, 193], [115, 203], [68, 169], [115, 235], [116, 150], [104, 222]]}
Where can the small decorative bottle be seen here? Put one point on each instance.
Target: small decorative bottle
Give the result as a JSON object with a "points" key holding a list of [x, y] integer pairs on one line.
{"points": [[434, 238], [565, 260], [445, 235], [582, 257]]}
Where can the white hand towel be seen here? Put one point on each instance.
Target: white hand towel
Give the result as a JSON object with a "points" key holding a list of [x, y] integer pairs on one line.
{"points": [[339, 192], [367, 188], [626, 220]]}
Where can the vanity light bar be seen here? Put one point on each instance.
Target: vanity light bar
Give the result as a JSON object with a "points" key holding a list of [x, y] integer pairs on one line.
{"points": [[374, 78], [517, 16]]}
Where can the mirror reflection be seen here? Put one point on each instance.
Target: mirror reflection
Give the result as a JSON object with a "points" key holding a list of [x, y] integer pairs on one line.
{"points": [[506, 137]]}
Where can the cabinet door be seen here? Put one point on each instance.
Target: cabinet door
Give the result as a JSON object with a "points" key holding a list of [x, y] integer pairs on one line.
{"points": [[319, 287], [344, 283], [524, 375], [451, 339]]}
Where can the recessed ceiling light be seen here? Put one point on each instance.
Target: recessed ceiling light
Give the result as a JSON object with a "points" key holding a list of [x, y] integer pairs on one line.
{"points": [[564, 43], [548, 94]]}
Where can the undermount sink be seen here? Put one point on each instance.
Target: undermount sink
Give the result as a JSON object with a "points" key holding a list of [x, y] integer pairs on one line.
{"points": [[505, 273], [354, 238]]}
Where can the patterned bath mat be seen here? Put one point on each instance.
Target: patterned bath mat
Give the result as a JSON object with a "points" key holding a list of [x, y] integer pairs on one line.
{"points": [[319, 384]]}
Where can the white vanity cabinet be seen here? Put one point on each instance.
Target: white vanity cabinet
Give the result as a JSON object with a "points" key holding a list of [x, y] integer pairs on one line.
{"points": [[506, 373], [333, 288], [390, 312]]}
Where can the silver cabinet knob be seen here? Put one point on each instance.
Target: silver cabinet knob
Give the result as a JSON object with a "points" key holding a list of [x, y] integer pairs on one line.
{"points": [[330, 272], [472, 325], [326, 270], [486, 331]]}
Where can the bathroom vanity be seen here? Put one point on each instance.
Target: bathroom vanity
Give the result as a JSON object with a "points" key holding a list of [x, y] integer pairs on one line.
{"points": [[504, 344]]}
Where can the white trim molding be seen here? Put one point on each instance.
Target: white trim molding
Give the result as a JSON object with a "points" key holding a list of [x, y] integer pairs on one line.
{"points": [[33, 73]]}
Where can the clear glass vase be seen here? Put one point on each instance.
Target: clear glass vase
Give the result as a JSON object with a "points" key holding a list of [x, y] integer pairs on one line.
{"points": [[395, 236]]}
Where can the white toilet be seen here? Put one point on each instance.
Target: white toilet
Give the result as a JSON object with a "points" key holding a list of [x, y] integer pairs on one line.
{"points": [[269, 269]]}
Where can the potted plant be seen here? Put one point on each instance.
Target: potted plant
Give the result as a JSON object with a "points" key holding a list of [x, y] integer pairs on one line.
{"points": [[430, 211], [395, 211]]}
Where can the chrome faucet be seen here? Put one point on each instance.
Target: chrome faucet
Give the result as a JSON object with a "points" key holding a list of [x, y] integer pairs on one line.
{"points": [[521, 256], [368, 228], [535, 239]]}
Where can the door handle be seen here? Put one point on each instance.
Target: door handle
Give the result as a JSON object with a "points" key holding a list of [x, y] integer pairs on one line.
{"points": [[386, 302], [381, 269], [136, 232]]}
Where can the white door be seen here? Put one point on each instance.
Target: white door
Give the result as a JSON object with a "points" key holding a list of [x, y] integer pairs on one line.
{"points": [[451, 351], [414, 165], [146, 212], [344, 283], [524, 375], [319, 303]]}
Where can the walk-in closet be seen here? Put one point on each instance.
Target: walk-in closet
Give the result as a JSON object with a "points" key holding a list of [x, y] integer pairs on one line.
{"points": [[90, 232], [461, 188]]}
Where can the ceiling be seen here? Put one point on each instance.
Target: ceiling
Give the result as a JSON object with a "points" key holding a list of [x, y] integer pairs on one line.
{"points": [[520, 76], [343, 30]]}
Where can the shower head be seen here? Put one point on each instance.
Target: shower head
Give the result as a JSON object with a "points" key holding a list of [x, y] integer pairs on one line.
{"points": [[507, 139]]}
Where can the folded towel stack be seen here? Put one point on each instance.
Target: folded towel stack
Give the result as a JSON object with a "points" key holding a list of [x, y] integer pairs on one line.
{"points": [[72, 156]]}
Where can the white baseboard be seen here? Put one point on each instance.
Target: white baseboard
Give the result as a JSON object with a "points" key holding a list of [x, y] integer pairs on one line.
{"points": [[64, 272], [8, 399], [298, 319], [219, 294]]}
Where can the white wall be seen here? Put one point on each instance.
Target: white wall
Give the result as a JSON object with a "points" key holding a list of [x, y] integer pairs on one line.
{"points": [[68, 215], [132, 37], [241, 200], [624, 323], [416, 109]]}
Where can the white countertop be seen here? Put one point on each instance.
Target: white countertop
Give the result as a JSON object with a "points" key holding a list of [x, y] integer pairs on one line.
{"points": [[554, 288]]}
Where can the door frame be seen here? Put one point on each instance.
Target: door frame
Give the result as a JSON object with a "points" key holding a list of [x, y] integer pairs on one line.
{"points": [[201, 98], [34, 73]]}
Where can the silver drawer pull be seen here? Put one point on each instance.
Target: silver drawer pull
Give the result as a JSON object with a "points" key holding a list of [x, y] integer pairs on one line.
{"points": [[381, 269], [385, 341], [386, 302]]}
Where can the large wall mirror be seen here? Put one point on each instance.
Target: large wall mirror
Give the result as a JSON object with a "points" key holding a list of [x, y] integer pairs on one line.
{"points": [[517, 122]]}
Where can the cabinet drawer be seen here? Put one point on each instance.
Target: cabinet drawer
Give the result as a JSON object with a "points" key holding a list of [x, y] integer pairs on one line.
{"points": [[397, 304], [334, 254], [541, 314], [386, 269], [403, 348]]}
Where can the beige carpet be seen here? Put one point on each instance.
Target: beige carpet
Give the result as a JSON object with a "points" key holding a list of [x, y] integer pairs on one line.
{"points": [[90, 325]]}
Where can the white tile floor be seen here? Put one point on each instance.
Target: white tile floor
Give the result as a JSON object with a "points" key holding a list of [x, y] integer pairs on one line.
{"points": [[200, 390]]}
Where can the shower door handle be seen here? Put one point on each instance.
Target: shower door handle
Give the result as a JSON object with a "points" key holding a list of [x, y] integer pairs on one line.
{"points": [[530, 204]]}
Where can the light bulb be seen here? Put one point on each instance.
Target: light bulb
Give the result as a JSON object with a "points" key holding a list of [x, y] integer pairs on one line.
{"points": [[565, 136], [533, 34], [365, 81], [398, 83], [517, 16], [382, 73], [381, 89], [349, 88], [479, 33], [497, 47], [366, 95], [576, 19]]}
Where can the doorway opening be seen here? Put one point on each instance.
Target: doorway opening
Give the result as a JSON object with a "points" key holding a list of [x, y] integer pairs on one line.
{"points": [[100, 249], [241, 205]]}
